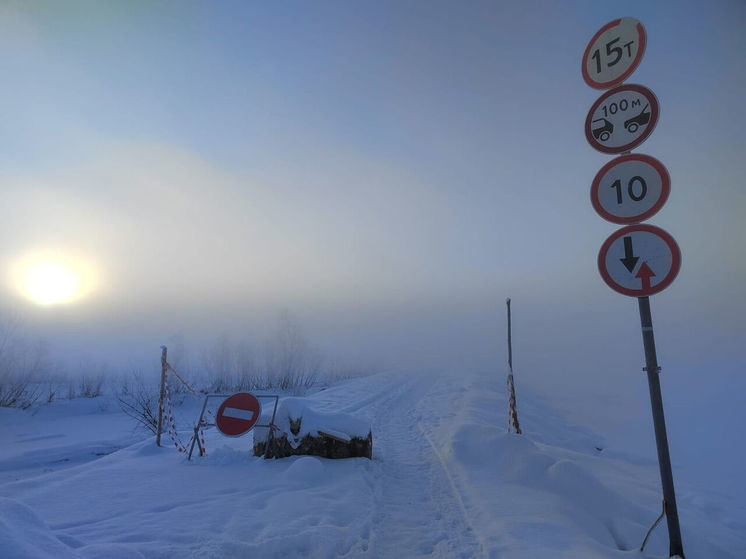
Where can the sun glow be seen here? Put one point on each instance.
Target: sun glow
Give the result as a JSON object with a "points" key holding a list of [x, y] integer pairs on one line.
{"points": [[52, 280]]}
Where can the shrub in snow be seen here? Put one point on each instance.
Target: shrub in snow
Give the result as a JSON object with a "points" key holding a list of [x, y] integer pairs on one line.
{"points": [[16, 391], [139, 401], [230, 367], [20, 368], [90, 385], [300, 430], [290, 362]]}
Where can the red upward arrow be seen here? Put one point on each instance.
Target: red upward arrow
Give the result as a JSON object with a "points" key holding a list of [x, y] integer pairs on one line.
{"points": [[645, 273]]}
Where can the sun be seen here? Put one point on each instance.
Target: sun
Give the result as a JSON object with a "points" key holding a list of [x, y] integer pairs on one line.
{"points": [[48, 280], [51, 283]]}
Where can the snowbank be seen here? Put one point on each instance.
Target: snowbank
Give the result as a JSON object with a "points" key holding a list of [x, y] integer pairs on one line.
{"points": [[446, 480], [24, 534]]}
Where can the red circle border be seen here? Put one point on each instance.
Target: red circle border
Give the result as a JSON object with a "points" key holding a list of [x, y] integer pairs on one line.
{"points": [[219, 416], [665, 189], [672, 273], [654, 114], [635, 63]]}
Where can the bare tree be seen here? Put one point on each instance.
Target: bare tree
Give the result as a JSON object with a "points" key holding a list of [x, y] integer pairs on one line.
{"points": [[290, 361], [20, 368], [139, 400], [178, 358], [219, 364], [91, 382], [246, 376]]}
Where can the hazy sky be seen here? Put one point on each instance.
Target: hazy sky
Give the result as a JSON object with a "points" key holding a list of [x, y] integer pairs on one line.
{"points": [[388, 171]]}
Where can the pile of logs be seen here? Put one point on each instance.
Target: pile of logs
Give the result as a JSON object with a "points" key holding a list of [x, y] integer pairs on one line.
{"points": [[328, 444]]}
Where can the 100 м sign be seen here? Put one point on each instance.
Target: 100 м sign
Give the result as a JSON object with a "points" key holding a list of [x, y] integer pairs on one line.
{"points": [[622, 118]]}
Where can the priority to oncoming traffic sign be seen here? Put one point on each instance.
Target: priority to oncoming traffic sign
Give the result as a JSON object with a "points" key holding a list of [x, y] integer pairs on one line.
{"points": [[630, 188], [639, 260]]}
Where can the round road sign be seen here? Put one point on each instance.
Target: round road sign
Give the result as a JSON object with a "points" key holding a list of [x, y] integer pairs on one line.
{"points": [[622, 118], [630, 188], [613, 53], [639, 260], [238, 414]]}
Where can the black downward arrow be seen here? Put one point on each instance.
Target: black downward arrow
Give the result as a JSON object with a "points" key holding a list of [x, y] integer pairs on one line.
{"points": [[629, 260]]}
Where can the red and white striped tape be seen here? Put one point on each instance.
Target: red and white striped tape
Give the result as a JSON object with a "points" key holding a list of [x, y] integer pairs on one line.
{"points": [[170, 368], [512, 411], [168, 411]]}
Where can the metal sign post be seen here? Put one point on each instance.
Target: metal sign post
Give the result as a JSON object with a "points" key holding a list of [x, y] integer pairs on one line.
{"points": [[659, 425]]}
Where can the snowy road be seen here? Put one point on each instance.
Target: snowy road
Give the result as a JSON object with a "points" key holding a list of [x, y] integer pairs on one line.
{"points": [[446, 480], [417, 510]]}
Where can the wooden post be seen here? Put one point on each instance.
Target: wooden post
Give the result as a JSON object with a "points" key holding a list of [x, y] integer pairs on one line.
{"points": [[510, 341], [512, 409], [164, 366]]}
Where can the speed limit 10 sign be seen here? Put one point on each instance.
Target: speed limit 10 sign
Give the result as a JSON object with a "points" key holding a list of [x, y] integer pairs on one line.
{"points": [[613, 53], [630, 188]]}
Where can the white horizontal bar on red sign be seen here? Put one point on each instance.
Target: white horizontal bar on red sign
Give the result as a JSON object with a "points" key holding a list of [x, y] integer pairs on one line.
{"points": [[237, 413]]}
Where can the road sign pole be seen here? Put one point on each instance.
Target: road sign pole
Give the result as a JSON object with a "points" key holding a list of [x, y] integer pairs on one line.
{"points": [[620, 120], [659, 424]]}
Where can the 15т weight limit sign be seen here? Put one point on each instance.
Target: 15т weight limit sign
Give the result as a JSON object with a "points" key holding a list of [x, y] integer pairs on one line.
{"points": [[613, 53], [639, 260]]}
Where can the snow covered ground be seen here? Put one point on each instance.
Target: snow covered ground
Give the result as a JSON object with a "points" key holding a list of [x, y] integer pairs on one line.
{"points": [[446, 480]]}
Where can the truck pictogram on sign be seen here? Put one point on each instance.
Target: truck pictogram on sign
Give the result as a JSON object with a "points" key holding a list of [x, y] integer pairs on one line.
{"points": [[622, 118]]}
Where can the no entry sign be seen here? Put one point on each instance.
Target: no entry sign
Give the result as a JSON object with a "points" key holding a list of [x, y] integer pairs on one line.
{"points": [[613, 53], [630, 188], [639, 260], [622, 118], [238, 414]]}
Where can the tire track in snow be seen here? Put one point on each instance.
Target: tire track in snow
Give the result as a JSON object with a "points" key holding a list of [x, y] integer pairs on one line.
{"points": [[417, 508], [456, 493]]}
